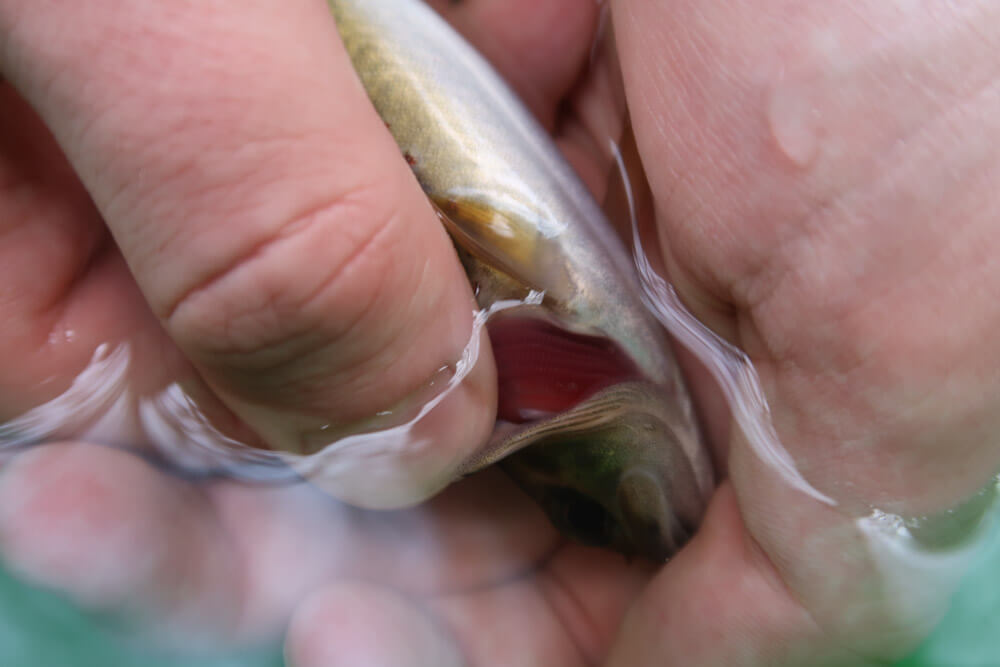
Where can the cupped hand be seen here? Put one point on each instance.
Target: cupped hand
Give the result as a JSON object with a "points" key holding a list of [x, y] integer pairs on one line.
{"points": [[210, 186], [823, 179], [821, 182]]}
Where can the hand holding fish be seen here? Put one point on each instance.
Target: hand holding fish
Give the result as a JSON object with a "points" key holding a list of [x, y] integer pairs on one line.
{"points": [[844, 242]]}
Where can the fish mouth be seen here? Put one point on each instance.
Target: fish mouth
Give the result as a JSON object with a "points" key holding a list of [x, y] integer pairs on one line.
{"points": [[588, 437]]}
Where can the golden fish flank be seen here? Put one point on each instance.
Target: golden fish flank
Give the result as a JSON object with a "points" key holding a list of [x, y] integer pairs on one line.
{"points": [[594, 420]]}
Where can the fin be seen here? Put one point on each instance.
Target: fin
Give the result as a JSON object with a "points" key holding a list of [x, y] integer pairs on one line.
{"points": [[593, 414], [507, 243]]}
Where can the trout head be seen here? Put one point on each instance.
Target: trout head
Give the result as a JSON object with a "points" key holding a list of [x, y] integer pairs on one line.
{"points": [[612, 473]]}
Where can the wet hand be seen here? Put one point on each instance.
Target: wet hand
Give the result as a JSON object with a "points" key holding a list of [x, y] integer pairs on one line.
{"points": [[770, 578], [211, 187], [826, 201]]}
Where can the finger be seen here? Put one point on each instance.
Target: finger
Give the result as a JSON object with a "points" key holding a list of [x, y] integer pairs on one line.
{"points": [[263, 208], [540, 48], [788, 191], [721, 602], [565, 612], [870, 587], [480, 531], [69, 294], [589, 590], [775, 210], [864, 244], [511, 624], [365, 624], [67, 289], [113, 534], [818, 589]]}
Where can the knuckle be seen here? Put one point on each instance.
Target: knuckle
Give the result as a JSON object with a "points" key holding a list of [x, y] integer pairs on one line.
{"points": [[297, 292]]}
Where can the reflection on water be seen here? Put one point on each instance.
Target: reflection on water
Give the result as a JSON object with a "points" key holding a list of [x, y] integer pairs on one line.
{"points": [[730, 367]]}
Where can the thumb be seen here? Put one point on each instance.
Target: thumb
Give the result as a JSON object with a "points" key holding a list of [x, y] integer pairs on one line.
{"points": [[825, 596], [264, 210], [721, 601]]}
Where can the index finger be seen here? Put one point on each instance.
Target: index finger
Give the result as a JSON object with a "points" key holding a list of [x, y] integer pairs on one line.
{"points": [[262, 206]]}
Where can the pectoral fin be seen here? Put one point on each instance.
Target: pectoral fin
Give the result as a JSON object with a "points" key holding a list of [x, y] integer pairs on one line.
{"points": [[510, 255]]}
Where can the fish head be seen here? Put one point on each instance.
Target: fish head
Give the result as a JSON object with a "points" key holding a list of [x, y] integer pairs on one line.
{"points": [[611, 472]]}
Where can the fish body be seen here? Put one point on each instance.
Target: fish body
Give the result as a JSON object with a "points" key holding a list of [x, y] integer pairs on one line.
{"points": [[594, 420]]}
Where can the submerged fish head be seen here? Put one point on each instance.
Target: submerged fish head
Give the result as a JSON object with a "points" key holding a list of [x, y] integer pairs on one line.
{"points": [[612, 472]]}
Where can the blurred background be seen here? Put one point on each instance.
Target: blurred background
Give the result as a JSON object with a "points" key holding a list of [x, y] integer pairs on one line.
{"points": [[39, 629]]}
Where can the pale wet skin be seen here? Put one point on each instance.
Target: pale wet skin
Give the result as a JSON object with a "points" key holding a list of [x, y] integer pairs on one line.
{"points": [[851, 258]]}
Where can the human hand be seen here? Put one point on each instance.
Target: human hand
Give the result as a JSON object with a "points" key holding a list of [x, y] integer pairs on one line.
{"points": [[823, 179], [571, 602], [272, 277]]}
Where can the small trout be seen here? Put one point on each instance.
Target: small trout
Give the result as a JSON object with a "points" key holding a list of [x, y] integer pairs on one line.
{"points": [[594, 420]]}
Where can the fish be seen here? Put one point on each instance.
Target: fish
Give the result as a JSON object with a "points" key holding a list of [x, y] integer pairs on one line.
{"points": [[594, 419]]}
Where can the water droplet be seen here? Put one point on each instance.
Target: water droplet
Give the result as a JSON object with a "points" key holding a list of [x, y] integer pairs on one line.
{"points": [[61, 335], [794, 121]]}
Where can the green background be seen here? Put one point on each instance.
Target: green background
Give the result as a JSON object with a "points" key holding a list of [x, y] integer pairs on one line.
{"points": [[39, 629]]}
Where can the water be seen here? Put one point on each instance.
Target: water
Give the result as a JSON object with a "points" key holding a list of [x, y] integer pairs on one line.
{"points": [[38, 628], [969, 635]]}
